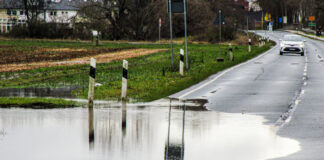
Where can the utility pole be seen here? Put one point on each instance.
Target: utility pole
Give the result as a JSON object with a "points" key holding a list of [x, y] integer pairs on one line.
{"points": [[220, 31], [186, 40], [171, 43]]}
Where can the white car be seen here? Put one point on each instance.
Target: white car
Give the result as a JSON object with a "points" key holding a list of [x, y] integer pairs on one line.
{"points": [[292, 44]]}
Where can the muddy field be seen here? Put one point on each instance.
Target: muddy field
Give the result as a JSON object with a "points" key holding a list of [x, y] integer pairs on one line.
{"points": [[18, 55], [15, 58]]}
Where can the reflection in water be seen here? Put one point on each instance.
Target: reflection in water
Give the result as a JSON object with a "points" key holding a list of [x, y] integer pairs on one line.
{"points": [[124, 116], [174, 150], [38, 92], [91, 128], [152, 133]]}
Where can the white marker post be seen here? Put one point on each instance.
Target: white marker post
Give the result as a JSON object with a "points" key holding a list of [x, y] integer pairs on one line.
{"points": [[260, 42], [249, 45], [230, 49], [92, 81], [181, 61], [124, 80], [160, 25]]}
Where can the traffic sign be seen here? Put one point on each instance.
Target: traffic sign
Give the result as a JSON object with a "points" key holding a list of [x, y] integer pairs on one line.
{"points": [[216, 22], [177, 6], [285, 19], [267, 17], [311, 18], [160, 22], [280, 20], [312, 24]]}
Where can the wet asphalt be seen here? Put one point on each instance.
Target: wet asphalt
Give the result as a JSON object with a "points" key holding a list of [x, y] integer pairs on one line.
{"points": [[272, 85]]}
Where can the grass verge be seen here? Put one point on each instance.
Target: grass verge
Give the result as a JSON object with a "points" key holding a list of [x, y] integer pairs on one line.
{"points": [[36, 103], [150, 77]]}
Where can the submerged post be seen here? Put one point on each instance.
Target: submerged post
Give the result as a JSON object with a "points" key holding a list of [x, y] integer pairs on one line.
{"points": [[249, 45], [124, 80], [181, 62], [92, 82]]}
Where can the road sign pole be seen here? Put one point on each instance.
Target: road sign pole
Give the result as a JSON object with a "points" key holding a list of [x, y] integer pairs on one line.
{"points": [[185, 25], [171, 43], [247, 25], [220, 32]]}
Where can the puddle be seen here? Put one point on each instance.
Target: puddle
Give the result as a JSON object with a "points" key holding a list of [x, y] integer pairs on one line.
{"points": [[65, 92], [143, 133]]}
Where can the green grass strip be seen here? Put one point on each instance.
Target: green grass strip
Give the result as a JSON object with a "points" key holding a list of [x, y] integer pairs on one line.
{"points": [[36, 103]]}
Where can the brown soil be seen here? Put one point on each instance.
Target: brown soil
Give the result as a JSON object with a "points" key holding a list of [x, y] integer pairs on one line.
{"points": [[101, 58]]}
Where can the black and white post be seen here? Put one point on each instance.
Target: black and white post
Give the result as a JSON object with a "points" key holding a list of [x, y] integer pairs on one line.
{"points": [[92, 81], [181, 62], [124, 80], [230, 50], [250, 45]]}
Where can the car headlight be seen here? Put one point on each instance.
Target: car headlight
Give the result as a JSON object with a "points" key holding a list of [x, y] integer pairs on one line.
{"points": [[302, 45]]}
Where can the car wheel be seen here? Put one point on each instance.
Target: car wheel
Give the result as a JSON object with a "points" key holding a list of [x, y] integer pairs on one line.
{"points": [[302, 54], [281, 53]]}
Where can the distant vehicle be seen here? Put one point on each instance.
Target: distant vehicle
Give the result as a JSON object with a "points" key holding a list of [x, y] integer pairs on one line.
{"points": [[292, 44]]}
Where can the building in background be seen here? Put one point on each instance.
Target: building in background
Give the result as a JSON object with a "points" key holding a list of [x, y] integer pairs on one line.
{"points": [[12, 13]]}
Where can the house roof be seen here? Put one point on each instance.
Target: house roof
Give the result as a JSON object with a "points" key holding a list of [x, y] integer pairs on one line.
{"points": [[50, 4]]}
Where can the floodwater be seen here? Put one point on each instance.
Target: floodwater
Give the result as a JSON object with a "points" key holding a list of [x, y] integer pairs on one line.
{"points": [[143, 133], [65, 92]]}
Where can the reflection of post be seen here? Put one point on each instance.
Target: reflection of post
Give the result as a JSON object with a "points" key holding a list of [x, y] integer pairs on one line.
{"points": [[123, 115], [91, 128], [168, 141], [183, 129]]}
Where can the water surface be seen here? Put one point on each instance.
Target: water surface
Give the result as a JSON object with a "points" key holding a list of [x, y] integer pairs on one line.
{"points": [[147, 133]]}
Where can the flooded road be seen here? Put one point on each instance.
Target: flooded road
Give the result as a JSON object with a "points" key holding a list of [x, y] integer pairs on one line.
{"points": [[143, 133]]}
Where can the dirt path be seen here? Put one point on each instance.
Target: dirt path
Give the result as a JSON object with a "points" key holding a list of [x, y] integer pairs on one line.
{"points": [[102, 58]]}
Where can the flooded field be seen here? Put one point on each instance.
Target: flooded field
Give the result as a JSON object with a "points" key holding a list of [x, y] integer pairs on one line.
{"points": [[65, 92], [143, 133]]}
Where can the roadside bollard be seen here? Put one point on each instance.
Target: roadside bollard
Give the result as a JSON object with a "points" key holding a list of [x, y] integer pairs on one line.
{"points": [[124, 80], [259, 42], [230, 49], [268, 39], [181, 62], [249, 45], [92, 82]]}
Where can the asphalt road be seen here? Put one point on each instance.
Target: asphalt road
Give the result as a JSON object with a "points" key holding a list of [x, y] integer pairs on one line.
{"points": [[276, 87]]}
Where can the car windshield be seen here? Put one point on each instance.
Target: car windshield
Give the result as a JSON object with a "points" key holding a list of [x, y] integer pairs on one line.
{"points": [[292, 38]]}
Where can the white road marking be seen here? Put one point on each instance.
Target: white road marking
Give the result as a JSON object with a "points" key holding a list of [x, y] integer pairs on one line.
{"points": [[226, 71]]}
